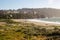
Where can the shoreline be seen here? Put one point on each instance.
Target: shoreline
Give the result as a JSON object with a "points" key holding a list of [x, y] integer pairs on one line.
{"points": [[36, 20]]}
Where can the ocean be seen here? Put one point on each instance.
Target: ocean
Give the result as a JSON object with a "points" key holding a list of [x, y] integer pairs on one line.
{"points": [[46, 20], [50, 19]]}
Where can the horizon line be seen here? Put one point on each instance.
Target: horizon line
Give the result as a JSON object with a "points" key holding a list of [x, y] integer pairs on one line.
{"points": [[26, 8]]}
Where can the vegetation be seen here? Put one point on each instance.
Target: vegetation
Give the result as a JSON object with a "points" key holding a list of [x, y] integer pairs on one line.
{"points": [[27, 13], [26, 31]]}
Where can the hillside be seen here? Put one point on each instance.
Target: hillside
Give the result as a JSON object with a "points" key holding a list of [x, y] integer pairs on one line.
{"points": [[12, 30], [30, 13]]}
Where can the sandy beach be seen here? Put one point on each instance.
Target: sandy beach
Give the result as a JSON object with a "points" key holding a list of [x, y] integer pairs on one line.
{"points": [[38, 22]]}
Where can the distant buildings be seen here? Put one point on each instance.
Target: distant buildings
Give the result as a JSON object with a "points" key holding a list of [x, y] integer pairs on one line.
{"points": [[12, 11]]}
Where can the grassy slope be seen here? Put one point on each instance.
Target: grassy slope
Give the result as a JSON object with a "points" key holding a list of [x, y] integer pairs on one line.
{"points": [[22, 31]]}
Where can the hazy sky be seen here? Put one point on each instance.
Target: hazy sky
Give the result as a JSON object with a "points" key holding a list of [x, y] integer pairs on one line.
{"points": [[15, 4]]}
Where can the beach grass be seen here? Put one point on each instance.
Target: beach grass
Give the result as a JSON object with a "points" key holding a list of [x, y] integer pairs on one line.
{"points": [[25, 31]]}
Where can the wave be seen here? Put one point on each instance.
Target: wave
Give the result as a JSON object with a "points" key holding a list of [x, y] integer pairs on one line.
{"points": [[38, 20]]}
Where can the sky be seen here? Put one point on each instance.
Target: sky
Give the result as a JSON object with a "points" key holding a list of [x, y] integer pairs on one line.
{"points": [[16, 4]]}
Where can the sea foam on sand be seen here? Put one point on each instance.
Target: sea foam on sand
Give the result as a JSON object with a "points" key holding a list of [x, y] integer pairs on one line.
{"points": [[36, 20]]}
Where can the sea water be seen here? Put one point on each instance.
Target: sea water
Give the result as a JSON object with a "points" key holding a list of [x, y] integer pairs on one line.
{"points": [[46, 20], [50, 19]]}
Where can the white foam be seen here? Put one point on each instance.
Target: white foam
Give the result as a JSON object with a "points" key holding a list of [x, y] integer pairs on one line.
{"points": [[36, 20]]}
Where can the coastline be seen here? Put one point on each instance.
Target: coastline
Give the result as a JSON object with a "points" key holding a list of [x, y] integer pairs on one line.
{"points": [[38, 22]]}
